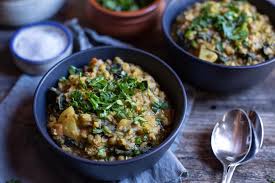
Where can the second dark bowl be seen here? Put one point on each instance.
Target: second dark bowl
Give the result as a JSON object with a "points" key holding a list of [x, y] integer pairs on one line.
{"points": [[209, 76], [169, 82]]}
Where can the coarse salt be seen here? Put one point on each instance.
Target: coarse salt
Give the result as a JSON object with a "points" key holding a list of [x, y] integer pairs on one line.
{"points": [[40, 43]]}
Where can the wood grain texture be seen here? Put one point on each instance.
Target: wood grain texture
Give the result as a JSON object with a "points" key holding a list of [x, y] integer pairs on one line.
{"points": [[195, 152]]}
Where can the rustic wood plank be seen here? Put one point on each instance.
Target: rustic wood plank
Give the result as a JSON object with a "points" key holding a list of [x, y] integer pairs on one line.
{"points": [[196, 154]]}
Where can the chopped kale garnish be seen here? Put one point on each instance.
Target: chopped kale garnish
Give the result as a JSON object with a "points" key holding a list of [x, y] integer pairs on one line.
{"points": [[97, 131], [117, 71], [106, 96], [75, 71], [138, 140], [102, 152], [124, 5], [232, 24], [160, 105]]}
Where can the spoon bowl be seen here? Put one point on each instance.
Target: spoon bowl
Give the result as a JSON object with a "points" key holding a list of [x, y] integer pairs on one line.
{"points": [[258, 135], [258, 127]]}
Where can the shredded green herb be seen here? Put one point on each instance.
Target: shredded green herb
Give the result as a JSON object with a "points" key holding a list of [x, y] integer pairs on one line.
{"points": [[102, 152], [124, 5], [106, 96], [106, 130], [138, 119], [156, 106], [73, 70], [232, 24], [138, 140], [97, 131]]}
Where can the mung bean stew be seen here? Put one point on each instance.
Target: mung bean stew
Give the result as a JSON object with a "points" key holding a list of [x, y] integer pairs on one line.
{"points": [[228, 32], [108, 110]]}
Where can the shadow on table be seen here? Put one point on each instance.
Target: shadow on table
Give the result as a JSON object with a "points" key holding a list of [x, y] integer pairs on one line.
{"points": [[30, 157], [7, 66], [8, 73], [207, 156]]}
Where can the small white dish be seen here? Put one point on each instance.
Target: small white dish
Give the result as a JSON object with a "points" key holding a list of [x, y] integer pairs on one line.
{"points": [[22, 12], [37, 47]]}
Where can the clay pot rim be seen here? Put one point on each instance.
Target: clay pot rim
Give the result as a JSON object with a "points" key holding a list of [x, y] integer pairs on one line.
{"points": [[126, 14]]}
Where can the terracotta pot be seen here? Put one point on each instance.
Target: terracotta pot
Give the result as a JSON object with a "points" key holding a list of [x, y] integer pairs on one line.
{"points": [[123, 24]]}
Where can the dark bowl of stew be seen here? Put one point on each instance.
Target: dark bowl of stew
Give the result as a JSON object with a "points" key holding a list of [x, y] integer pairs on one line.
{"points": [[223, 66], [103, 168]]}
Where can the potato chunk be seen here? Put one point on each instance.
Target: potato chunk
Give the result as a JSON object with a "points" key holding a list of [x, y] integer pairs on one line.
{"points": [[208, 55], [68, 120]]}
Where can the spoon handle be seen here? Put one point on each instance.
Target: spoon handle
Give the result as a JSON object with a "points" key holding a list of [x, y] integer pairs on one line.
{"points": [[228, 173]]}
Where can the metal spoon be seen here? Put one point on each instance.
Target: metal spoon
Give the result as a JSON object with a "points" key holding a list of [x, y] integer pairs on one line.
{"points": [[257, 140], [258, 128], [231, 140], [258, 134]]}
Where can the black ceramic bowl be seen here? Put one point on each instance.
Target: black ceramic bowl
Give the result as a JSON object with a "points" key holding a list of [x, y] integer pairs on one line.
{"points": [[115, 170], [206, 75]]}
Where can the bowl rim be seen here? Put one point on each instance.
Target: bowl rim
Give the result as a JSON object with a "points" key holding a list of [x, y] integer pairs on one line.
{"points": [[172, 134], [125, 14], [54, 24], [168, 36]]}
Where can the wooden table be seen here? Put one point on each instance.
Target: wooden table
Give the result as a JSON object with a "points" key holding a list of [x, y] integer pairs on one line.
{"points": [[195, 152]]}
